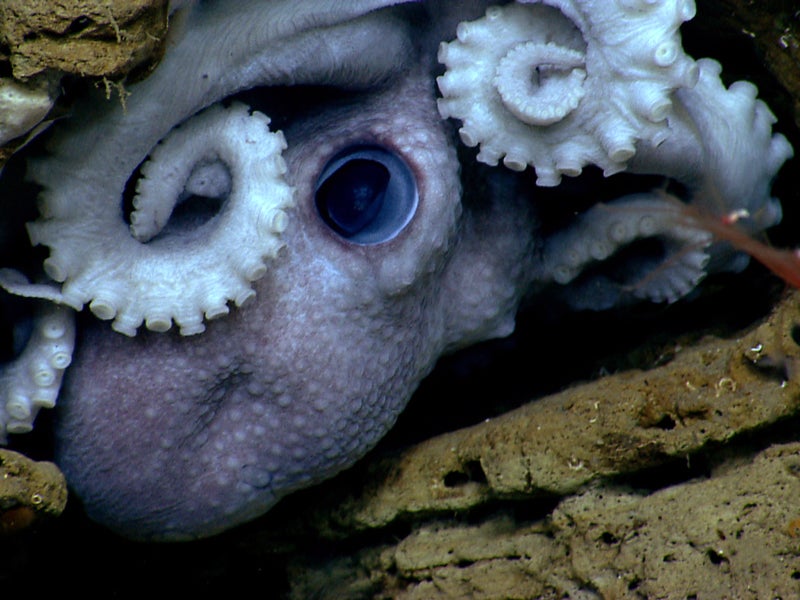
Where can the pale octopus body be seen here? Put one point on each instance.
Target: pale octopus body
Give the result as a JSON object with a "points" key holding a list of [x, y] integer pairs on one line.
{"points": [[282, 233]]}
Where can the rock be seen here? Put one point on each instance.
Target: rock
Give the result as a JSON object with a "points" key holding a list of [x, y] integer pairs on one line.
{"points": [[734, 534], [82, 37], [29, 490]]}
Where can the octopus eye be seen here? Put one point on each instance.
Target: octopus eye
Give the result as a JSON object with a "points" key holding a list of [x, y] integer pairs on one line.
{"points": [[366, 194]]}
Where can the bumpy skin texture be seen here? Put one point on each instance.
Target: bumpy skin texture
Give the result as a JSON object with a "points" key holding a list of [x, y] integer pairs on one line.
{"points": [[211, 430], [291, 389], [171, 437]]}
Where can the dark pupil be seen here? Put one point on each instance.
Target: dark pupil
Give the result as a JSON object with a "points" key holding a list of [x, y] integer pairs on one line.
{"points": [[352, 197]]}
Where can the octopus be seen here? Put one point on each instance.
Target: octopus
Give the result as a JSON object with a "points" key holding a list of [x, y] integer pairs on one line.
{"points": [[250, 266]]}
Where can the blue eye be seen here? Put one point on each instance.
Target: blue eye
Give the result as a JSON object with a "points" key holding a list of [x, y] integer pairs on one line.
{"points": [[352, 197], [366, 194]]}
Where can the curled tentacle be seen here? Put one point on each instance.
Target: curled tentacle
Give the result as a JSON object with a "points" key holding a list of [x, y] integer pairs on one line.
{"points": [[33, 379], [668, 263], [157, 274], [560, 84], [551, 92]]}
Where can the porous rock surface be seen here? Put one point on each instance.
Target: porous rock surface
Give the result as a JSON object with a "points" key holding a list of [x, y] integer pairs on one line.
{"points": [[43, 40], [733, 535], [82, 37], [29, 490]]}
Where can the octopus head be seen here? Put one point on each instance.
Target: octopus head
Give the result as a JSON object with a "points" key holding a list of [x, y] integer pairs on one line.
{"points": [[274, 296]]}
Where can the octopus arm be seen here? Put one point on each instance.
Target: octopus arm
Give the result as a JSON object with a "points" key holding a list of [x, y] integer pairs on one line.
{"points": [[572, 257], [722, 148], [145, 272], [559, 84], [33, 379]]}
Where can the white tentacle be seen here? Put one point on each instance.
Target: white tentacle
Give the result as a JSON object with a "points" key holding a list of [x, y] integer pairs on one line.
{"points": [[32, 381], [560, 84], [605, 229], [159, 276]]}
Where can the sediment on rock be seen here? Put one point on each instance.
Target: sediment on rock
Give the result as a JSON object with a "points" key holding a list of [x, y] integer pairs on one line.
{"points": [[43, 40], [29, 491]]}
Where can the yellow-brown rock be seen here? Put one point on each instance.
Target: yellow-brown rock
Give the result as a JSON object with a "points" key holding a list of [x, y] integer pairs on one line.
{"points": [[29, 490], [82, 37]]}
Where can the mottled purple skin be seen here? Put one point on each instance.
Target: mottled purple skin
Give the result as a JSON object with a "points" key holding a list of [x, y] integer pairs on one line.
{"points": [[165, 437]]}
